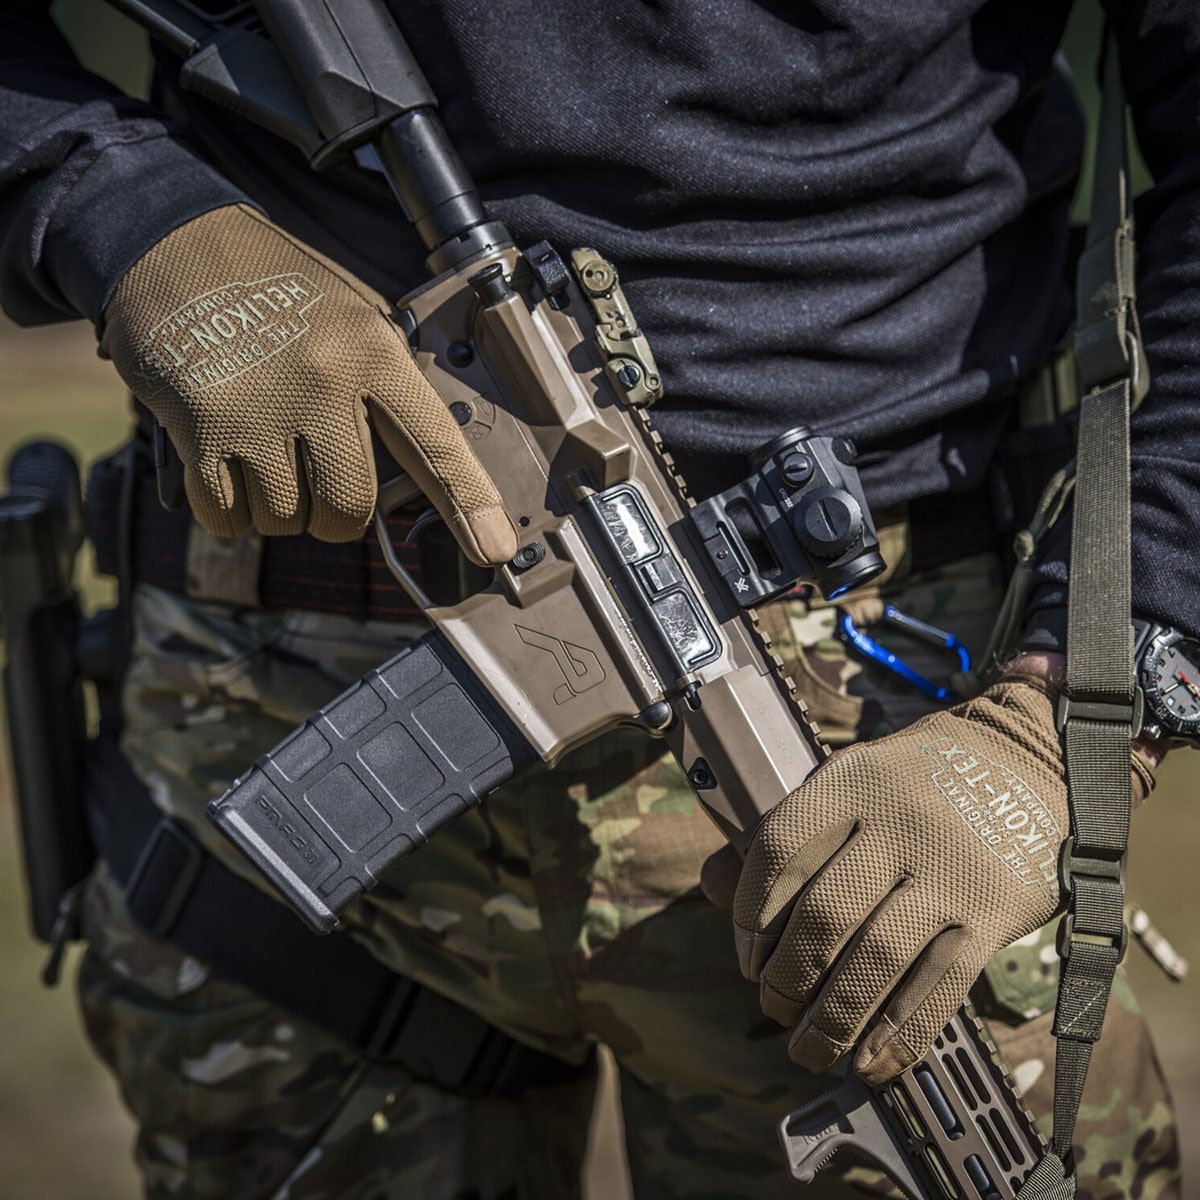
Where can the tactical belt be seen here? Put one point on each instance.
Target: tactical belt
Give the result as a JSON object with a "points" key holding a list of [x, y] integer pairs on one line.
{"points": [[348, 578], [351, 579], [176, 891]]}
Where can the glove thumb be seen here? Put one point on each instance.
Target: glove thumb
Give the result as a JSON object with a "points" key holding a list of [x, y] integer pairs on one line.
{"points": [[719, 877]]}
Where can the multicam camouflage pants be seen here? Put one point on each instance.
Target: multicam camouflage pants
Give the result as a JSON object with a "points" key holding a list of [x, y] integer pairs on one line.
{"points": [[565, 910]]}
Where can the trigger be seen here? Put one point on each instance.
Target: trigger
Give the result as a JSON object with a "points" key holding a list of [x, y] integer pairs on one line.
{"points": [[423, 521]]}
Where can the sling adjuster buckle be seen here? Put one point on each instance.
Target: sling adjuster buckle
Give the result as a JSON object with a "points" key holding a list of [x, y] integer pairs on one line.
{"points": [[1090, 866], [1068, 936], [1107, 711]]}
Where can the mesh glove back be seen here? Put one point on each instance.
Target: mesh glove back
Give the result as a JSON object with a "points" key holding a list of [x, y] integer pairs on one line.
{"points": [[873, 896], [263, 359]]}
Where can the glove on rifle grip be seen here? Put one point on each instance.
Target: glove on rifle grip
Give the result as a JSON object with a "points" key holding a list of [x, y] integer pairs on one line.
{"points": [[263, 361]]}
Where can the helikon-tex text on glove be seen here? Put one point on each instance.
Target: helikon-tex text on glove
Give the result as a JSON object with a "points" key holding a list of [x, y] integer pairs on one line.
{"points": [[874, 895], [264, 360]]}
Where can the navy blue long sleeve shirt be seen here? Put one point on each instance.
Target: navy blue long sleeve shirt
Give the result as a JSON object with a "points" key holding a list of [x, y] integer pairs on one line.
{"points": [[850, 214]]}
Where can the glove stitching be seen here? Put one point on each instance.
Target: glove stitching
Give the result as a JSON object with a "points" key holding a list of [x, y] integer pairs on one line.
{"points": [[803, 1030], [895, 1038]]}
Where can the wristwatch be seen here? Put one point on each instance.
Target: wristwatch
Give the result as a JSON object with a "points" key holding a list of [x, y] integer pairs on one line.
{"points": [[1167, 668]]}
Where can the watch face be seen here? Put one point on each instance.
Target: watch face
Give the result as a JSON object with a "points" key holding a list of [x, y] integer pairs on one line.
{"points": [[1171, 682]]}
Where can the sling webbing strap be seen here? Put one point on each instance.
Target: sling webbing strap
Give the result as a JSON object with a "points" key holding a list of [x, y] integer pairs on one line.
{"points": [[1099, 709]]}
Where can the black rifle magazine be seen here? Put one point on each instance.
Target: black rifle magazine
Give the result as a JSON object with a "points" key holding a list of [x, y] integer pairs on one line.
{"points": [[369, 778]]}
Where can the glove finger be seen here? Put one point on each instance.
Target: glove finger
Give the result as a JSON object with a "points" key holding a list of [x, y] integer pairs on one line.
{"points": [[422, 436], [860, 983], [934, 989], [766, 893], [277, 490], [1143, 777], [216, 492], [339, 471], [825, 917]]}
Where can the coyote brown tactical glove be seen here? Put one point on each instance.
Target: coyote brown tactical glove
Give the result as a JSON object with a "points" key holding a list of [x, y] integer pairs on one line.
{"points": [[263, 360], [873, 896]]}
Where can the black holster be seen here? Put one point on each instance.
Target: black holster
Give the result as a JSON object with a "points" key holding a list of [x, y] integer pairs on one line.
{"points": [[40, 534]]}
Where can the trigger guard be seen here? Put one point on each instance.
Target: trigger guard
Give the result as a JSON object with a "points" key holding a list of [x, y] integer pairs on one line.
{"points": [[393, 494]]}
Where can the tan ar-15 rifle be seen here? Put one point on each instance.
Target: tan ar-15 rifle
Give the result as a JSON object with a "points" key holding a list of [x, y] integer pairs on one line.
{"points": [[627, 604]]}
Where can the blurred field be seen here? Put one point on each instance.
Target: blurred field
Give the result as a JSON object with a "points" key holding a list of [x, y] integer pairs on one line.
{"points": [[63, 1134]]}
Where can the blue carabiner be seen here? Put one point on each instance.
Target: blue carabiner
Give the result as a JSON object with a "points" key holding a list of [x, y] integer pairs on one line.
{"points": [[870, 648]]}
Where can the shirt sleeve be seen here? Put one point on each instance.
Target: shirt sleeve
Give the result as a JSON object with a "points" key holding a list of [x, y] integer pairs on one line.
{"points": [[89, 178], [1160, 65]]}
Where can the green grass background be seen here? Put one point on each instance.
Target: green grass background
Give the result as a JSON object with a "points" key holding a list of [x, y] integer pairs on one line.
{"points": [[63, 1133]]}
